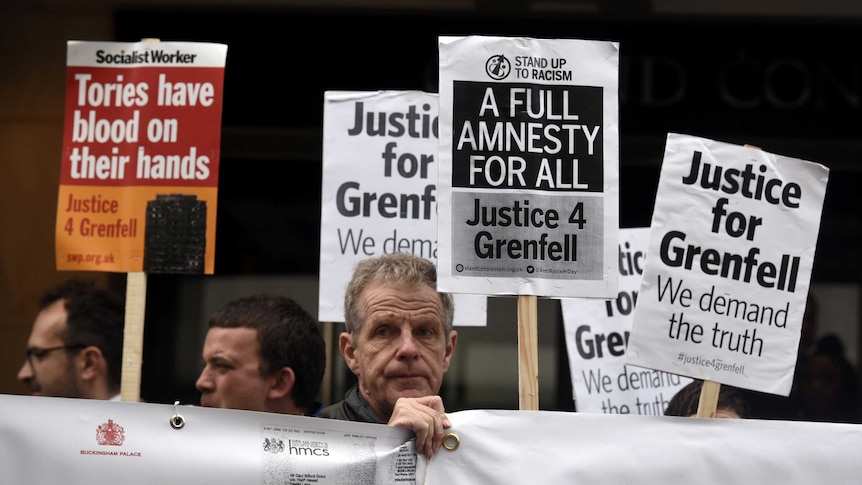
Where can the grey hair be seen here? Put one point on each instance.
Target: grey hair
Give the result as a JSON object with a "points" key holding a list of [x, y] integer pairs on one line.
{"points": [[395, 268]]}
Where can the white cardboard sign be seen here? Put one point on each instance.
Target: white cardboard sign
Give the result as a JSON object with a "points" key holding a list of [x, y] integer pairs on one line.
{"points": [[528, 178], [379, 190], [597, 332], [731, 249]]}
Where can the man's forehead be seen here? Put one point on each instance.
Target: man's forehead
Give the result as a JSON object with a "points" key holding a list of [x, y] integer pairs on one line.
{"points": [[237, 334], [51, 321], [232, 339], [417, 295], [381, 313]]}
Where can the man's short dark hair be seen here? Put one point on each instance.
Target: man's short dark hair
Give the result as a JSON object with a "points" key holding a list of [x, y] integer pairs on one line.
{"points": [[288, 336], [95, 316]]}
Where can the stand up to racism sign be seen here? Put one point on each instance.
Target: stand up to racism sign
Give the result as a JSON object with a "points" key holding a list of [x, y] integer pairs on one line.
{"points": [[528, 175]]}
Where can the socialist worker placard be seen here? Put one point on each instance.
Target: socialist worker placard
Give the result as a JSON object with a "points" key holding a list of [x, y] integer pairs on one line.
{"points": [[528, 177], [139, 170]]}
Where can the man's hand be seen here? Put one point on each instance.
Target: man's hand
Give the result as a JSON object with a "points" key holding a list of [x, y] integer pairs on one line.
{"points": [[426, 417]]}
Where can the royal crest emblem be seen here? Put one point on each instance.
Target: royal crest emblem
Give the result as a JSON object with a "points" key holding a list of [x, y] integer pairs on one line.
{"points": [[110, 434], [273, 445]]}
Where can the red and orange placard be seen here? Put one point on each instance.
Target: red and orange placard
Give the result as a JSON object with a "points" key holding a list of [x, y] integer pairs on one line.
{"points": [[139, 171]]}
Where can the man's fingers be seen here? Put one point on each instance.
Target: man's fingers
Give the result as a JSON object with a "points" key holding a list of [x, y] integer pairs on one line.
{"points": [[430, 421], [445, 420], [426, 417]]}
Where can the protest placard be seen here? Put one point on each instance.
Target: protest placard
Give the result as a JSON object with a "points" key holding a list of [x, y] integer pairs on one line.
{"points": [[597, 332], [528, 177], [139, 171], [379, 193], [731, 250]]}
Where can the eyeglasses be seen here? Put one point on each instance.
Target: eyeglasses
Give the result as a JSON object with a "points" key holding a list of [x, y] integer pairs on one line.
{"points": [[40, 353]]}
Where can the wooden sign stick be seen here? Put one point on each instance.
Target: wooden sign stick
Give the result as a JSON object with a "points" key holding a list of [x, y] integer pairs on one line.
{"points": [[528, 355], [133, 330], [133, 336], [708, 399]]}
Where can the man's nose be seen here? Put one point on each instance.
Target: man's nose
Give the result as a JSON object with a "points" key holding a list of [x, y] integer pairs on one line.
{"points": [[204, 382], [407, 348], [25, 373]]}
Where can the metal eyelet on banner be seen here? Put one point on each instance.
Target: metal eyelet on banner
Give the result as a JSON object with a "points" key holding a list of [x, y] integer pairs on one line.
{"points": [[451, 441], [177, 421]]}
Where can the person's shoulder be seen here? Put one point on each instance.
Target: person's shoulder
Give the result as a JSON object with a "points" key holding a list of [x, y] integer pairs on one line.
{"points": [[333, 411], [314, 410]]}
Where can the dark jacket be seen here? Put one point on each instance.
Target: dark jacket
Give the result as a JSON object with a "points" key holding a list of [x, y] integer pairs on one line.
{"points": [[354, 407]]}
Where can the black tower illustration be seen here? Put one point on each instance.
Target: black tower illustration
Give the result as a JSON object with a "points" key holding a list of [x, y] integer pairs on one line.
{"points": [[175, 234]]}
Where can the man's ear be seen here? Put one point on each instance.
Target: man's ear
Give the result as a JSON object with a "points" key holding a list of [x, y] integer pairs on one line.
{"points": [[282, 383], [90, 363], [450, 349], [345, 343]]}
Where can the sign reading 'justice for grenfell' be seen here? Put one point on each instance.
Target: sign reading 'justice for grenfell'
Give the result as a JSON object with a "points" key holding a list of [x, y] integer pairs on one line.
{"points": [[731, 250]]}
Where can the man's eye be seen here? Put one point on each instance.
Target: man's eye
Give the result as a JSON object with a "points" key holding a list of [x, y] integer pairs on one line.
{"points": [[424, 332], [383, 331], [218, 366]]}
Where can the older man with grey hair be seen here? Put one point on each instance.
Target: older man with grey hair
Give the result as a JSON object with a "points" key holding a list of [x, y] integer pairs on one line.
{"points": [[398, 341]]}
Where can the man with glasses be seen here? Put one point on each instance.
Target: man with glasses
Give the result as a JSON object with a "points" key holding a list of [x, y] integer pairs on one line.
{"points": [[76, 344]]}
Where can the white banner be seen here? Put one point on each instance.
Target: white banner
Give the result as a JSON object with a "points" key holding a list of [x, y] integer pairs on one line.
{"points": [[551, 448], [529, 155], [597, 332], [379, 192], [731, 248], [45, 440], [76, 442]]}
